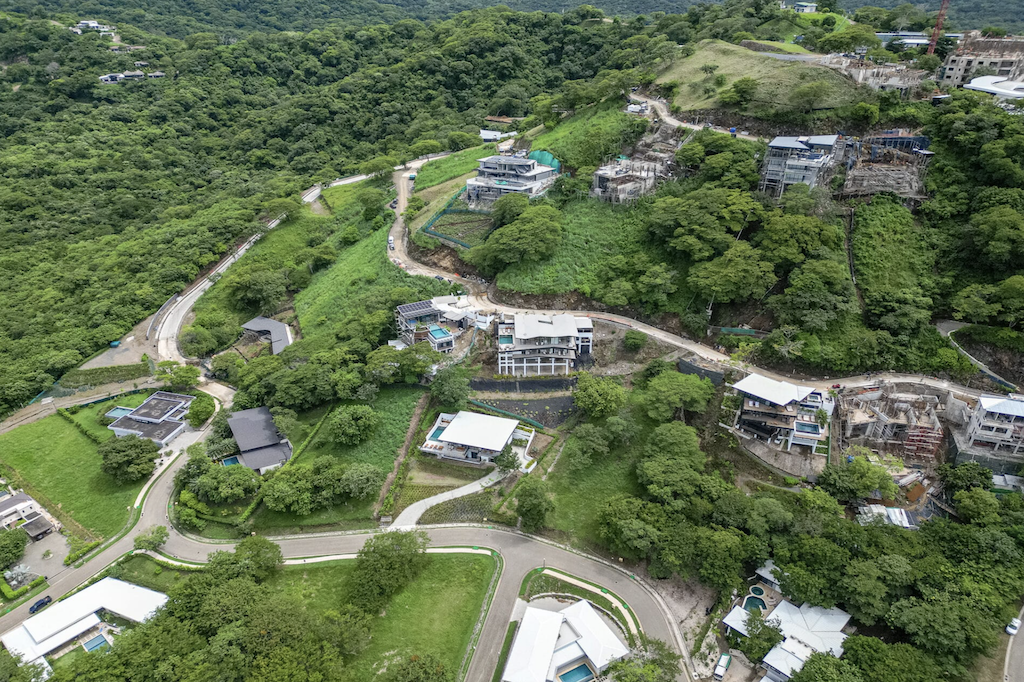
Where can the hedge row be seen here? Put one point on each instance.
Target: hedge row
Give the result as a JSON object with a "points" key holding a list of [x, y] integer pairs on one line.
{"points": [[81, 429], [10, 594], [97, 376], [75, 556], [388, 505]]}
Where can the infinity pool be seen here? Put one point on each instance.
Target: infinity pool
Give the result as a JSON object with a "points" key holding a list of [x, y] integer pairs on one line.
{"points": [[804, 427], [438, 332], [505, 339], [437, 433]]}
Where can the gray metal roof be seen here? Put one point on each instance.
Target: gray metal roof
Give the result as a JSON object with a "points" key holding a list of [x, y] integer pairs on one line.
{"points": [[37, 526], [783, 142], [280, 337], [13, 501], [254, 429], [155, 431], [268, 456]]}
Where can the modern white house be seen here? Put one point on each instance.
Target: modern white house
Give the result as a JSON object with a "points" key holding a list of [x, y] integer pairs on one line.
{"points": [[494, 135], [76, 618], [474, 437], [499, 175], [425, 321], [530, 344], [571, 645], [160, 418], [783, 414], [806, 629], [994, 435]]}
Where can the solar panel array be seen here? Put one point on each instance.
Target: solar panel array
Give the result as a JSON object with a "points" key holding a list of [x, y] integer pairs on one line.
{"points": [[412, 309]]}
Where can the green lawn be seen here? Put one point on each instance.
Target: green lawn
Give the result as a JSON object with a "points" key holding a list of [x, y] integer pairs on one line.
{"points": [[777, 79], [435, 614], [395, 407], [786, 47], [141, 570], [60, 466], [90, 415], [592, 136], [446, 168]]}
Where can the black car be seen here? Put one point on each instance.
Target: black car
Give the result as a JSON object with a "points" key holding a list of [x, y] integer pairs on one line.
{"points": [[394, 203], [39, 605]]}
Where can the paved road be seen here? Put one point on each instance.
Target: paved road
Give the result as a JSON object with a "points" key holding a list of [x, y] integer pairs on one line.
{"points": [[663, 112], [1013, 667]]}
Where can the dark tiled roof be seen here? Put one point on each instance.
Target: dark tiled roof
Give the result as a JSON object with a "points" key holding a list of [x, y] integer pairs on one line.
{"points": [[158, 431], [265, 457], [254, 429], [12, 501]]}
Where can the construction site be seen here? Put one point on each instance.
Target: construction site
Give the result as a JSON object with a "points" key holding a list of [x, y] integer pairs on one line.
{"points": [[893, 161], [886, 77], [891, 422], [637, 173]]}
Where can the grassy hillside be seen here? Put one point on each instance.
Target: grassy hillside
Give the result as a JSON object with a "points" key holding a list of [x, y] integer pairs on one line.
{"points": [[592, 135], [777, 78], [441, 170]]}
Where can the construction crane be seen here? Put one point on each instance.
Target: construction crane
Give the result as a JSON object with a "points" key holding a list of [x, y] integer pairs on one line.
{"points": [[938, 26]]}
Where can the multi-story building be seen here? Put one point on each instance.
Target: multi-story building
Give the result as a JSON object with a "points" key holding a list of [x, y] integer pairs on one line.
{"points": [[422, 321], [784, 414], [625, 180], [542, 344], [1003, 56], [810, 160], [906, 424], [500, 175], [994, 434]]}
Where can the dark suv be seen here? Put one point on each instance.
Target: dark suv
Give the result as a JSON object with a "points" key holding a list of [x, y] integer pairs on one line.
{"points": [[39, 605]]}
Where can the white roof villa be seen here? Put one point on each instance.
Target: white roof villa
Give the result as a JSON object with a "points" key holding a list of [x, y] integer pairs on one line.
{"points": [[806, 629], [65, 620], [160, 418], [775, 392], [571, 645], [475, 437]]}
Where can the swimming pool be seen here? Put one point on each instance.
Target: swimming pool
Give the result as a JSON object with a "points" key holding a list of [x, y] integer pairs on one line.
{"points": [[437, 433], [804, 427], [580, 673], [118, 412], [97, 642], [229, 461], [755, 603], [759, 591], [505, 339], [438, 332]]}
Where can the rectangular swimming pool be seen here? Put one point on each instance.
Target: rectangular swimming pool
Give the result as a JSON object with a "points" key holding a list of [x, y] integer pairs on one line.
{"points": [[580, 673], [804, 427], [438, 332], [437, 433], [118, 412], [96, 642], [230, 460], [505, 339]]}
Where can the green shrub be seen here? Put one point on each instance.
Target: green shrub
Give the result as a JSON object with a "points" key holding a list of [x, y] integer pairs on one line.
{"points": [[11, 595], [97, 376], [81, 552], [635, 340]]}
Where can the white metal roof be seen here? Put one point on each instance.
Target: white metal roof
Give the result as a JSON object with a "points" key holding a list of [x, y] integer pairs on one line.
{"points": [[765, 571], [65, 620], [1000, 86], [786, 661], [815, 627], [529, 326], [476, 430], [596, 639], [1011, 405], [775, 392], [737, 619], [534, 645]]}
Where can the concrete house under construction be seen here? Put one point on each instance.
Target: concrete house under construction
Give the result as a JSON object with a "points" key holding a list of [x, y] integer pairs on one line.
{"points": [[1004, 56], [625, 180], [810, 160], [904, 424]]}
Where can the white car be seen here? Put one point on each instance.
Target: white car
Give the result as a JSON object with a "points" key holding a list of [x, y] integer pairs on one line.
{"points": [[1013, 627]]}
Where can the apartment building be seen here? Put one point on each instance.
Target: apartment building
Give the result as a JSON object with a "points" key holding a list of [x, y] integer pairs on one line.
{"points": [[784, 414], [531, 344], [1003, 56], [994, 434], [810, 160], [499, 175]]}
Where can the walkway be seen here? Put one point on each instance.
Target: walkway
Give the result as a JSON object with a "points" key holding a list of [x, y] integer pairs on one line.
{"points": [[661, 107], [411, 514]]}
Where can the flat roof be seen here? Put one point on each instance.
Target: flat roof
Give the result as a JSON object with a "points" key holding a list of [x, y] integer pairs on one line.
{"points": [[530, 326], [153, 430], [775, 392], [476, 430], [417, 309], [160, 405]]}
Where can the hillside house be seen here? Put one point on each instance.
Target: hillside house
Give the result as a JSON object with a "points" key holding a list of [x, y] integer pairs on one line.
{"points": [[994, 433], [92, 25], [624, 181], [424, 321], [494, 135], [160, 418], [20, 510], [810, 160], [476, 438], [112, 78], [77, 618], [155, 74], [499, 175], [261, 445], [570, 645], [783, 414], [278, 334], [530, 344], [806, 629]]}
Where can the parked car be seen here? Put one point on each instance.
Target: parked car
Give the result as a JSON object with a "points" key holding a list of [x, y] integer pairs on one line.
{"points": [[394, 203], [391, 243], [724, 661], [45, 601], [439, 278], [1013, 627]]}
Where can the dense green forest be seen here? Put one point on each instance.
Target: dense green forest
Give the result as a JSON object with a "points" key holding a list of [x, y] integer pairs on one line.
{"points": [[962, 15], [115, 197]]}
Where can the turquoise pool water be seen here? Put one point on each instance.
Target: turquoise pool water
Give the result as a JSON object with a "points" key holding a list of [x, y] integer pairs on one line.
{"points": [[504, 339], [437, 433], [97, 642], [755, 603], [119, 412], [757, 590], [438, 332], [230, 460], [580, 673], [804, 427]]}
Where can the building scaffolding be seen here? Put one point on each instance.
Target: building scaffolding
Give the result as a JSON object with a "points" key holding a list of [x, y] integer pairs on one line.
{"points": [[894, 161], [904, 424]]}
